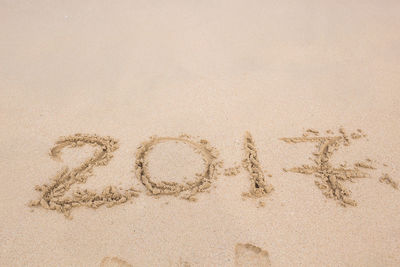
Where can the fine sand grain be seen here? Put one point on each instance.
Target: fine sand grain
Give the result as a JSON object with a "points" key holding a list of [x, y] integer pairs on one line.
{"points": [[232, 171]]}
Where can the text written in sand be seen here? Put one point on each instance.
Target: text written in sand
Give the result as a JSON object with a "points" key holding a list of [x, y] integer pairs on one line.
{"points": [[58, 194]]}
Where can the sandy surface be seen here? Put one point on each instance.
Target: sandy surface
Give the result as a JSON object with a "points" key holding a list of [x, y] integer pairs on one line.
{"points": [[214, 69]]}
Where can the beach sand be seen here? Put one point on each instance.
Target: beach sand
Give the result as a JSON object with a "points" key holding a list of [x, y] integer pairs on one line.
{"points": [[211, 70]]}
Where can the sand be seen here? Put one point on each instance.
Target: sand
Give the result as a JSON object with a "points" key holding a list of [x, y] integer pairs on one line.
{"points": [[330, 179], [259, 186], [52, 196], [251, 255], [201, 183], [123, 74]]}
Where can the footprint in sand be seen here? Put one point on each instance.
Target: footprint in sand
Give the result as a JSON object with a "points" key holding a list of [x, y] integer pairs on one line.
{"points": [[245, 255], [117, 262], [250, 255], [114, 262]]}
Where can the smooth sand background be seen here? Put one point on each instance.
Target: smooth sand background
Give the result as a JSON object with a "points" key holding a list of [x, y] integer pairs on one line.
{"points": [[131, 69]]}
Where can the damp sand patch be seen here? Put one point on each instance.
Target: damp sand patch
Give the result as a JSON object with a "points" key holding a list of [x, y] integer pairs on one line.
{"points": [[201, 182]]}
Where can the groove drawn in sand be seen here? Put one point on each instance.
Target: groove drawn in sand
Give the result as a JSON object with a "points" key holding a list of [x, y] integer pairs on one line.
{"points": [[114, 262], [329, 179], [52, 195], [251, 256], [385, 178], [259, 186], [202, 181]]}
